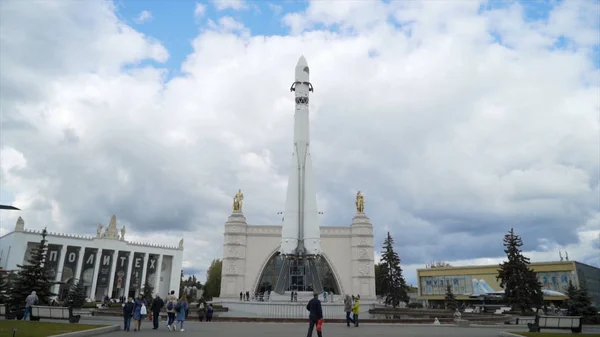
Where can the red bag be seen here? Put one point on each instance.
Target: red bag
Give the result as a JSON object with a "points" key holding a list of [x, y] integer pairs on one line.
{"points": [[320, 325]]}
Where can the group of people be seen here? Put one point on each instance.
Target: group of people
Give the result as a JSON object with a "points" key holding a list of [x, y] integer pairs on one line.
{"points": [[137, 310], [315, 315]]}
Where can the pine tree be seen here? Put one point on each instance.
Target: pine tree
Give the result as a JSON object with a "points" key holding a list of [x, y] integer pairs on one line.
{"points": [[147, 293], [450, 299], [581, 304], [33, 276], [77, 296], [522, 290], [378, 279], [393, 285], [4, 288], [571, 290]]}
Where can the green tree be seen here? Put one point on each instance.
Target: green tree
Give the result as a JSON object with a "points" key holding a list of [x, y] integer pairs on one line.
{"points": [[192, 281], [33, 276], [522, 290], [147, 292], [571, 290], [581, 304], [76, 296], [393, 285], [181, 284], [212, 286], [378, 279], [4, 288], [450, 299]]}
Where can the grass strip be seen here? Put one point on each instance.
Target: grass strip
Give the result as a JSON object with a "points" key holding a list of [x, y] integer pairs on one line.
{"points": [[40, 329]]}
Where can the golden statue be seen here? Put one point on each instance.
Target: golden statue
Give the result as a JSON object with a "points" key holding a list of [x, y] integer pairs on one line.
{"points": [[238, 201], [360, 202]]}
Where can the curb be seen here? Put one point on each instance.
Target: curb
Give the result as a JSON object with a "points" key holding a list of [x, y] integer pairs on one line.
{"points": [[508, 334], [91, 332]]}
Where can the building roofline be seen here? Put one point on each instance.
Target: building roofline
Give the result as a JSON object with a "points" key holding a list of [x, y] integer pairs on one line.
{"points": [[588, 265], [89, 238], [497, 265]]}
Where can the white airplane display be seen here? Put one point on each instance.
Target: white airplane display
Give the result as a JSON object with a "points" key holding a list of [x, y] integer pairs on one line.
{"points": [[481, 288]]}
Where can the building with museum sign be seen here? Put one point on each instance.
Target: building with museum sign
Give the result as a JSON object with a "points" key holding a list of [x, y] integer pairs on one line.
{"points": [[107, 263], [467, 281]]}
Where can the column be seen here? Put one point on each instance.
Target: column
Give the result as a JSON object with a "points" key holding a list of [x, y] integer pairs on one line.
{"points": [[96, 271], [128, 276], [144, 270], [158, 272], [234, 258], [79, 263], [113, 270], [61, 264], [363, 265]]}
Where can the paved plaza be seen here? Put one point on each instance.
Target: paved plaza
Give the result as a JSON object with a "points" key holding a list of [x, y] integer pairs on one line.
{"points": [[332, 330]]}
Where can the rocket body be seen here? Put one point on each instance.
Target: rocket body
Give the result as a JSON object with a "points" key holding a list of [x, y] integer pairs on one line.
{"points": [[301, 234]]}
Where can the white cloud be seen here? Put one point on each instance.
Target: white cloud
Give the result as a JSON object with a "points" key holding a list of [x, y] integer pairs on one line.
{"points": [[227, 24], [453, 137], [199, 10], [230, 4], [144, 16], [275, 8]]}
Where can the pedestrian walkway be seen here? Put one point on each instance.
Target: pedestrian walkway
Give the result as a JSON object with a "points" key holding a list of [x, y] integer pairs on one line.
{"points": [[296, 329]]}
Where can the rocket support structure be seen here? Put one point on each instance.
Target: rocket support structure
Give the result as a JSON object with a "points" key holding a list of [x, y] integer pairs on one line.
{"points": [[301, 235]]}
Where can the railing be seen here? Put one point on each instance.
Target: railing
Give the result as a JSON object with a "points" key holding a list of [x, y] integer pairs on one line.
{"points": [[283, 310]]}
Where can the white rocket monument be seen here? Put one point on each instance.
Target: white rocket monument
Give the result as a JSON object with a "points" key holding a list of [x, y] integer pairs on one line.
{"points": [[300, 235]]}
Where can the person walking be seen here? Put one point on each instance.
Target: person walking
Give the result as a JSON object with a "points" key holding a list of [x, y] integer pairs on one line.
{"points": [[127, 313], [356, 310], [139, 312], [181, 307], [348, 309], [209, 313], [157, 305], [29, 301], [315, 315], [171, 302]]}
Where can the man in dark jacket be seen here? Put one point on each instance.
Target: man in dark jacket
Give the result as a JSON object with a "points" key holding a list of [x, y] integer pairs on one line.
{"points": [[315, 314], [157, 305]]}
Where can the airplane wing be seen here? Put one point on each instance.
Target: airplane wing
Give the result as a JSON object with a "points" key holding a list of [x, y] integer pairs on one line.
{"points": [[13, 208]]}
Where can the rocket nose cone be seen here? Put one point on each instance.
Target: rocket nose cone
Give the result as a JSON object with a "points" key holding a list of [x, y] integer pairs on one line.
{"points": [[302, 70], [301, 62]]}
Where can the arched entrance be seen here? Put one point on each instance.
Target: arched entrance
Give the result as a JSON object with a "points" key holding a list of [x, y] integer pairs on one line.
{"points": [[299, 278]]}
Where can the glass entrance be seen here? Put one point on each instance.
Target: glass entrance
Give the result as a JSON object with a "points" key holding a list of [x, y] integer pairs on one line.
{"points": [[297, 276], [300, 278]]}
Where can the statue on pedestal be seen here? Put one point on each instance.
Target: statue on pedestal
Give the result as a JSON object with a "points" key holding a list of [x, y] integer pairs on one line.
{"points": [[238, 201], [99, 230], [360, 202], [123, 233], [180, 244]]}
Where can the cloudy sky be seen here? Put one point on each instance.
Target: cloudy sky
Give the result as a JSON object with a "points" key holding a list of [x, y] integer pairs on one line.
{"points": [[458, 120]]}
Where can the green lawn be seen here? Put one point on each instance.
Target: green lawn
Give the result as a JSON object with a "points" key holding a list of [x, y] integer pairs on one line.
{"points": [[545, 334], [40, 329]]}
